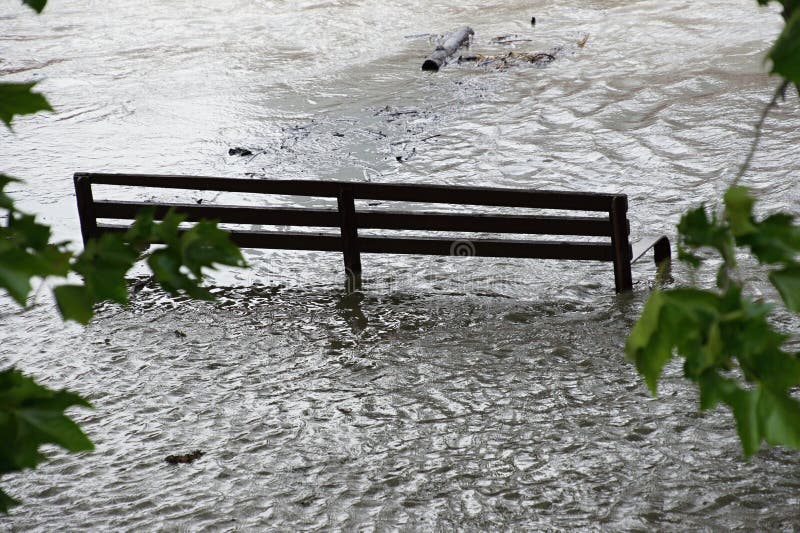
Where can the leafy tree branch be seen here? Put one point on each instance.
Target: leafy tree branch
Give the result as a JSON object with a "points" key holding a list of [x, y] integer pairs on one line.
{"points": [[730, 348], [30, 414]]}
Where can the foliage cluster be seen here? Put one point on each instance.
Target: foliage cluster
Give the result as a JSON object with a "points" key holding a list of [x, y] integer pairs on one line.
{"points": [[31, 415], [731, 349]]}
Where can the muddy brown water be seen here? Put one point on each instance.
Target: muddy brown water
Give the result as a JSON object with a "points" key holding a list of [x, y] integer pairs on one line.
{"points": [[454, 393]]}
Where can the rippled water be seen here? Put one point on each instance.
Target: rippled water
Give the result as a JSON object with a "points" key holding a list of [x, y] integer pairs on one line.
{"points": [[475, 393]]}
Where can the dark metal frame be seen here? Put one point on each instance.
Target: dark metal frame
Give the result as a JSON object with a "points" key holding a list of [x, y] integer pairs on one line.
{"points": [[614, 223]]}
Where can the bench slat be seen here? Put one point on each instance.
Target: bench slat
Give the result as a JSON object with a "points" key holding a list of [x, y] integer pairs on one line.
{"points": [[330, 242], [442, 194], [397, 220], [489, 196], [485, 223], [279, 216], [276, 240], [488, 248]]}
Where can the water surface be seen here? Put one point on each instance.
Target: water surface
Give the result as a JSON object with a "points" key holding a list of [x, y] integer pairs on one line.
{"points": [[469, 393]]}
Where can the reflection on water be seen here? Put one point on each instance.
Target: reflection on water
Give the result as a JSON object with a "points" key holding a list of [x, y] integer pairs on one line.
{"points": [[452, 392]]}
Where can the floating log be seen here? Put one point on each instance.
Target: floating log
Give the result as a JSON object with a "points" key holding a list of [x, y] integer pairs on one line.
{"points": [[453, 42]]}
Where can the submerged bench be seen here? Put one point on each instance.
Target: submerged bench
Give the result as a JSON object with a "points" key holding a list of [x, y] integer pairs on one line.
{"points": [[613, 224]]}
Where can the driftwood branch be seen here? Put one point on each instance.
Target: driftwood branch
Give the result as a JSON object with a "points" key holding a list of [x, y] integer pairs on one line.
{"points": [[453, 42], [510, 59]]}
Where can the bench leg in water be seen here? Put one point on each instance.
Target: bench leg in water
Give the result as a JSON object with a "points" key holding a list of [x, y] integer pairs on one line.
{"points": [[352, 282], [618, 215], [349, 232], [662, 254], [662, 251]]}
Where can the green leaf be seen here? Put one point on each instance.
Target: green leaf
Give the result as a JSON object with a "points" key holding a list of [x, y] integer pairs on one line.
{"points": [[18, 99], [167, 231], [5, 201], [646, 346], [762, 413], [103, 265], [166, 270], [179, 265], [696, 230], [74, 303], [27, 232], [53, 260], [785, 54], [698, 302], [15, 281], [682, 319], [17, 266], [712, 349], [205, 244], [55, 428], [166, 267], [779, 418], [688, 257], [775, 368], [36, 5], [32, 415], [744, 404], [713, 389], [142, 232], [777, 240], [739, 210], [787, 281], [695, 328], [757, 346], [6, 502]]}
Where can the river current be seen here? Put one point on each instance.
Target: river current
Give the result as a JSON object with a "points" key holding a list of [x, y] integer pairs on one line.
{"points": [[451, 393]]}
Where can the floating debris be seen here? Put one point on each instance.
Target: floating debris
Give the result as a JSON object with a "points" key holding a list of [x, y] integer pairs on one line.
{"points": [[510, 59], [422, 36], [510, 39], [240, 151], [185, 458]]}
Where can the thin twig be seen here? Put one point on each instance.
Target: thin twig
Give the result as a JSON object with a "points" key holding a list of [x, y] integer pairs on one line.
{"points": [[260, 152], [780, 94]]}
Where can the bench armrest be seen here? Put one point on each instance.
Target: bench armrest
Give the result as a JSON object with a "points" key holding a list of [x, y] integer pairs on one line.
{"points": [[660, 245]]}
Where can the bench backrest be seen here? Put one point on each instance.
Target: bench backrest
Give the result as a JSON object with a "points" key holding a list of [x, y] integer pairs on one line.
{"points": [[612, 224]]}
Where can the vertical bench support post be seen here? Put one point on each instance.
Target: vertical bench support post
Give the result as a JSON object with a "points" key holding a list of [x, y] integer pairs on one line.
{"points": [[86, 214], [661, 251], [350, 248], [623, 280]]}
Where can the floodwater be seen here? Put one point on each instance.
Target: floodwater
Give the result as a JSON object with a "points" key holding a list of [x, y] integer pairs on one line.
{"points": [[452, 393]]}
